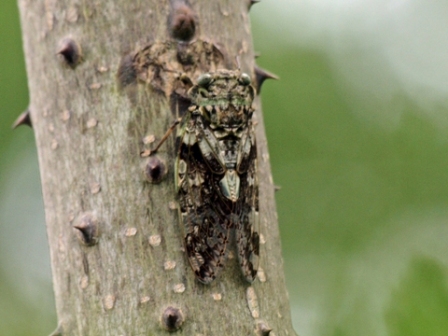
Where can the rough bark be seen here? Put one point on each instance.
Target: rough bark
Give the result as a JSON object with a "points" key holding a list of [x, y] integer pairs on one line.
{"points": [[116, 248]]}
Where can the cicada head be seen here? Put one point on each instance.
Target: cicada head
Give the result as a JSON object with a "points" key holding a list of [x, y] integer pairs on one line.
{"points": [[224, 97]]}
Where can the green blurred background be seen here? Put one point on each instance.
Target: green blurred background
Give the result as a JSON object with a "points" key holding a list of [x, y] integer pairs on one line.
{"points": [[358, 136]]}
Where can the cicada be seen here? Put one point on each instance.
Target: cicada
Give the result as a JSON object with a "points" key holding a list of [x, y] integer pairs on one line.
{"points": [[216, 174]]}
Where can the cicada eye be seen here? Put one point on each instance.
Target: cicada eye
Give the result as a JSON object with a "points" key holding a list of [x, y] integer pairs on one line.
{"points": [[204, 80], [244, 79]]}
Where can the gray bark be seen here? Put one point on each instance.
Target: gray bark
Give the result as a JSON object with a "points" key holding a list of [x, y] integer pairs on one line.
{"points": [[120, 279]]}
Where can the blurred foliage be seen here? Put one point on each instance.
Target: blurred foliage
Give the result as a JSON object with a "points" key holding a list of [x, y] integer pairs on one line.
{"points": [[420, 303], [362, 206], [13, 93]]}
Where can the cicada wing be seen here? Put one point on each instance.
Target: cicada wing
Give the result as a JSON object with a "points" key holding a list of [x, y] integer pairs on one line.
{"points": [[206, 230], [248, 222], [206, 242]]}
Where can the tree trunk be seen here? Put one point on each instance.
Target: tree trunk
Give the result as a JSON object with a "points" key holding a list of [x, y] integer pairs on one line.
{"points": [[119, 266]]}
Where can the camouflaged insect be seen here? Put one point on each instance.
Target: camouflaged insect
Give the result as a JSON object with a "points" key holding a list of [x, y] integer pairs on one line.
{"points": [[216, 174]]}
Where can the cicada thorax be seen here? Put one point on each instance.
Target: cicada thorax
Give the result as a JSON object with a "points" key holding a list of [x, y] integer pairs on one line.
{"points": [[216, 174], [224, 113]]}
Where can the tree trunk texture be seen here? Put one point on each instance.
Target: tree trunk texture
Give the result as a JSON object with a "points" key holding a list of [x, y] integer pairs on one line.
{"points": [[117, 254]]}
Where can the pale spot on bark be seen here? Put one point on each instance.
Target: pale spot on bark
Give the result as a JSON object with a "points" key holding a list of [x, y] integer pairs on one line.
{"points": [[252, 302], [92, 122], [179, 288], [169, 265], [155, 240], [130, 232], [109, 302]]}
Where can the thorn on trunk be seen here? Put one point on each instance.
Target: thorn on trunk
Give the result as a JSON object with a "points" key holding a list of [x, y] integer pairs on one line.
{"points": [[263, 329], [155, 170], [261, 75], [70, 51], [23, 119], [58, 331], [252, 2], [87, 227], [172, 318], [182, 22]]}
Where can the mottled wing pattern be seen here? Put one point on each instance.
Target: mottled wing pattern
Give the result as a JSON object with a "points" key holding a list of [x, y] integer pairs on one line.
{"points": [[206, 227], [216, 174], [247, 225]]}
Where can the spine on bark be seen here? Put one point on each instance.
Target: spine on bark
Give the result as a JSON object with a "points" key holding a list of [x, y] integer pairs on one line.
{"points": [[71, 52]]}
